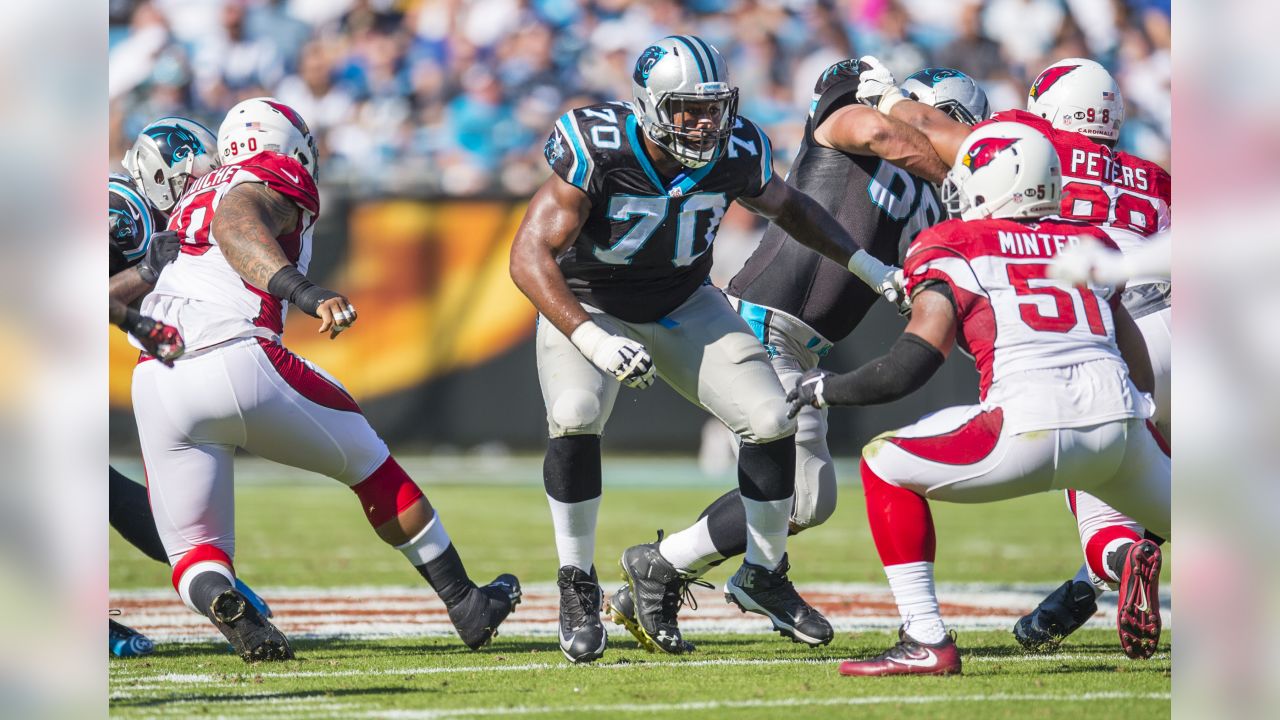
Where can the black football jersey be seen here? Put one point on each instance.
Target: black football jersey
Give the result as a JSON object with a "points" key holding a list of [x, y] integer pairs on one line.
{"points": [[131, 219], [881, 205], [646, 245]]}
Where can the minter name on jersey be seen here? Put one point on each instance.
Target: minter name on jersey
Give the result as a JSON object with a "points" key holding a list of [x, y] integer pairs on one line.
{"points": [[1101, 166], [1034, 244]]}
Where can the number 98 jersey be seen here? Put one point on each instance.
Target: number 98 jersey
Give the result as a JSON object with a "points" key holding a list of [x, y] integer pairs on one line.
{"points": [[646, 244]]}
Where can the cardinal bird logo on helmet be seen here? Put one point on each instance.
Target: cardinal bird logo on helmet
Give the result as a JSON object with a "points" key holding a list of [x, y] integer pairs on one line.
{"points": [[291, 115], [982, 152], [1048, 78]]}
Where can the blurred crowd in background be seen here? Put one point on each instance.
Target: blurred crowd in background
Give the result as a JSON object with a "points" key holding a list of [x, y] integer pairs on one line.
{"points": [[455, 97]]}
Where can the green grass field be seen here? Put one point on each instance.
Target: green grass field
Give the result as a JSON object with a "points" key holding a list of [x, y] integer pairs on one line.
{"points": [[298, 532]]}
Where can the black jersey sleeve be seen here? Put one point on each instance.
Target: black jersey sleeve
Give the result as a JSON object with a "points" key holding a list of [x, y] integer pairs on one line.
{"points": [[569, 155], [759, 173]]}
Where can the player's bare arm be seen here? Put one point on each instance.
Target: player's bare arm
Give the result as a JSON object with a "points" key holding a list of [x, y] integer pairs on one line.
{"points": [[554, 218], [860, 130], [127, 286], [944, 133], [1133, 348], [812, 226], [246, 224], [552, 222], [914, 358]]}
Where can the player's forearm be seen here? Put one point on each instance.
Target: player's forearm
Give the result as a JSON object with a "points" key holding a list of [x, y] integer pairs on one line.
{"points": [[117, 311], [1154, 259], [127, 286], [904, 369], [536, 274], [944, 133], [909, 149]]}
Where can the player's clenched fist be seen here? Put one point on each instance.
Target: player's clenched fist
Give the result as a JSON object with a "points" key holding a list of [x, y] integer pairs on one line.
{"points": [[808, 391], [336, 314], [875, 82], [161, 341], [621, 357]]}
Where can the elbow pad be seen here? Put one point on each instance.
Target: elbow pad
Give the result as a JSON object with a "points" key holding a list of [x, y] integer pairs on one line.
{"points": [[906, 368]]}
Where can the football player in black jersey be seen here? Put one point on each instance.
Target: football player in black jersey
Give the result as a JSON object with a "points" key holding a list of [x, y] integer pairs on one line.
{"points": [[614, 252], [867, 172], [168, 154]]}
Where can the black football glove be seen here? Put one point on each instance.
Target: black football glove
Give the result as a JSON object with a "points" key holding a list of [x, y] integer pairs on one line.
{"points": [[808, 391], [162, 250]]}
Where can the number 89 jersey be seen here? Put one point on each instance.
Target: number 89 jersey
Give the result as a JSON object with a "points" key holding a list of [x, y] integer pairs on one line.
{"points": [[646, 244], [1045, 350]]}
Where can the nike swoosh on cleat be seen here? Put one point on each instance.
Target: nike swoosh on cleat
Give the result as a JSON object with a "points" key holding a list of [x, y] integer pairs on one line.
{"points": [[1142, 605], [930, 659]]}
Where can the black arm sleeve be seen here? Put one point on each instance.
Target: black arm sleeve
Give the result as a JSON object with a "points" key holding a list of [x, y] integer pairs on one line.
{"points": [[908, 366]]}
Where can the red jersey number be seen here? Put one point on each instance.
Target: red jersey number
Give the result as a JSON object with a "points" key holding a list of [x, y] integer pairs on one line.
{"points": [[1064, 319], [1130, 212]]}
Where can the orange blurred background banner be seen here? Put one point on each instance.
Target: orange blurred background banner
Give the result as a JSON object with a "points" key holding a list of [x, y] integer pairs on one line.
{"points": [[430, 281]]}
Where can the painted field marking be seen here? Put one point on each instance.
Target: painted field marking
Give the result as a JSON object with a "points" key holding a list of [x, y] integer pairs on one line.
{"points": [[404, 612]]}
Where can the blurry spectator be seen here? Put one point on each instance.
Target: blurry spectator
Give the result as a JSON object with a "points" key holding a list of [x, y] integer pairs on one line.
{"points": [[457, 96], [229, 65]]}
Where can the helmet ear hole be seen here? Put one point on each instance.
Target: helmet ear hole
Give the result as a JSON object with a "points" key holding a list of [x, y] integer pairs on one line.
{"points": [[979, 199], [159, 177]]}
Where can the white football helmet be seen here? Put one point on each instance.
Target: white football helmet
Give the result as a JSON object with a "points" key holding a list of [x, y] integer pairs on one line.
{"points": [[261, 124], [168, 154], [1081, 96], [679, 72], [951, 91], [1004, 170]]}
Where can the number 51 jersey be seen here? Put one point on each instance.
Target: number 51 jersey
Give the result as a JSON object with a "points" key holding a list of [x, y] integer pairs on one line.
{"points": [[1045, 350], [645, 246]]}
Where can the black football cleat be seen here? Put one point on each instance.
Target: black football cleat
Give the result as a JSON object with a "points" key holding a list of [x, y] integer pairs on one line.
{"points": [[478, 616], [622, 609], [658, 591], [251, 635], [1061, 613], [582, 634], [909, 657], [1138, 612], [770, 593]]}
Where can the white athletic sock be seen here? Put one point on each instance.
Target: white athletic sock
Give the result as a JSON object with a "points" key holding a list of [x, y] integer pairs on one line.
{"points": [[1085, 576], [912, 586], [428, 544], [575, 525], [767, 524], [690, 550]]}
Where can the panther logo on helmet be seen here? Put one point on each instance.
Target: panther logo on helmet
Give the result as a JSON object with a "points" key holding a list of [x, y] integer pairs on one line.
{"points": [[175, 142], [982, 152], [644, 65], [1048, 78], [937, 75]]}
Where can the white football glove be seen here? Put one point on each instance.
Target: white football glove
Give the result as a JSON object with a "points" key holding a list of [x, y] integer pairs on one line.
{"points": [[1087, 262], [876, 84], [884, 279], [623, 358], [808, 392], [893, 289]]}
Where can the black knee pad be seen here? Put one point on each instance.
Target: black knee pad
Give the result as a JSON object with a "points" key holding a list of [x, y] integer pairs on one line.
{"points": [[767, 471], [571, 468]]}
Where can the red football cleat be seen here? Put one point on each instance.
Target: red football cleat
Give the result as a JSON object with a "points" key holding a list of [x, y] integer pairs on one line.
{"points": [[1138, 614], [909, 657]]}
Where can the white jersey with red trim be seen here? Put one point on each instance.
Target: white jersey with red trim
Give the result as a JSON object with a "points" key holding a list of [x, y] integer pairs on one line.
{"points": [[200, 293], [1101, 186], [1045, 350]]}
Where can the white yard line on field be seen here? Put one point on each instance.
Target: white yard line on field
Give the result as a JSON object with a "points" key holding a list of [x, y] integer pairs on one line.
{"points": [[285, 706]]}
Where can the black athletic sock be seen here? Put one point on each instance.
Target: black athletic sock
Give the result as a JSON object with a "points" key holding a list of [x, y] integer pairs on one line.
{"points": [[447, 576], [767, 471], [130, 514], [205, 587], [727, 524], [571, 469]]}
